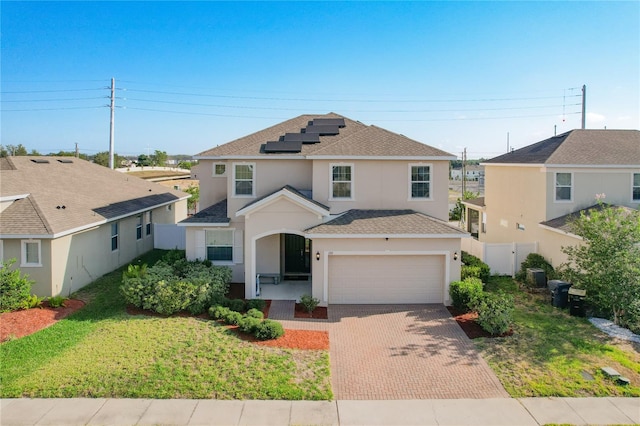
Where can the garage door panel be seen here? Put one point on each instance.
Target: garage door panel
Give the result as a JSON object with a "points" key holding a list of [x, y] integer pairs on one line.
{"points": [[386, 279]]}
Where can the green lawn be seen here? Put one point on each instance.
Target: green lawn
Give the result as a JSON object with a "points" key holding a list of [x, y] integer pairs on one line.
{"points": [[101, 351], [550, 350]]}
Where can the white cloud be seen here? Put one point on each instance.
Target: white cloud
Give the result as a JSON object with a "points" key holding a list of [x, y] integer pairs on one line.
{"points": [[593, 117], [624, 118]]}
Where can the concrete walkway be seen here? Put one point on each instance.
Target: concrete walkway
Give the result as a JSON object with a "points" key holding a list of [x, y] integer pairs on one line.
{"points": [[498, 411]]}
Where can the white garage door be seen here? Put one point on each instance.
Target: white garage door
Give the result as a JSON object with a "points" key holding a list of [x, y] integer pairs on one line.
{"points": [[386, 279]]}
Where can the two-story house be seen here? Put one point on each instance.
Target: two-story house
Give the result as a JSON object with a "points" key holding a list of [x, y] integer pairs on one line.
{"points": [[67, 221], [531, 193], [355, 209]]}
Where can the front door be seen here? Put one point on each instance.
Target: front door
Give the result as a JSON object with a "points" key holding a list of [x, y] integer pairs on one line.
{"points": [[297, 254]]}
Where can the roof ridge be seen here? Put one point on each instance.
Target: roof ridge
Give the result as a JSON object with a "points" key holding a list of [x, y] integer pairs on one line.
{"points": [[40, 214]]}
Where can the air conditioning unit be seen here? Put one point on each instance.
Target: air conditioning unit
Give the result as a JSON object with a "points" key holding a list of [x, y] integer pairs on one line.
{"points": [[536, 277]]}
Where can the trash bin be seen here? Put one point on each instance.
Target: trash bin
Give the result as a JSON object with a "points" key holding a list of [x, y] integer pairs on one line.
{"points": [[536, 277], [559, 293], [576, 302]]}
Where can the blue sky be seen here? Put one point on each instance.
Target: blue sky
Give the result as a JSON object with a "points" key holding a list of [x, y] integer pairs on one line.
{"points": [[193, 75]]}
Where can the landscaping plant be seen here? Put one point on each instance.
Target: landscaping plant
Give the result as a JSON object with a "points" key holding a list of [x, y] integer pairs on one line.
{"points": [[309, 302], [495, 311], [464, 292], [56, 301], [474, 267], [32, 301], [607, 262], [269, 329], [534, 260], [15, 287]]}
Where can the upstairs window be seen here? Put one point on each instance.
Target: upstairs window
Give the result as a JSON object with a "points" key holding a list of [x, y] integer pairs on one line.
{"points": [[243, 180], [635, 190], [341, 181], [219, 245], [420, 181], [564, 186], [219, 169]]}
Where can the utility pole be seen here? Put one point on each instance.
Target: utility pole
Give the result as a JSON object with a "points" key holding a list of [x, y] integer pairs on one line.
{"points": [[584, 105], [464, 172], [77, 152], [112, 123]]}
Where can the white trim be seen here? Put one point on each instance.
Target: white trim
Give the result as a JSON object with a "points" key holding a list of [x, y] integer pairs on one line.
{"points": [[13, 197], [381, 157], [474, 206], [564, 166], [213, 169], [632, 186], [276, 196], [252, 261], [555, 186], [430, 182], [394, 236], [233, 180], [445, 253], [233, 240], [205, 224], [352, 182], [23, 254]]}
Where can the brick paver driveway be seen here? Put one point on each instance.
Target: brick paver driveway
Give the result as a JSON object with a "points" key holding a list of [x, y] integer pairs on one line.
{"points": [[402, 352]]}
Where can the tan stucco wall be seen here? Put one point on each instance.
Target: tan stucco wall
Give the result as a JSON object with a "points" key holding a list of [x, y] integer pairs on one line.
{"points": [[41, 275], [268, 254], [212, 189], [383, 184], [439, 245]]}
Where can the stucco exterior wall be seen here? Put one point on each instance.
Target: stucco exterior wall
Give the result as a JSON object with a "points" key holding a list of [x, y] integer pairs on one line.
{"points": [[41, 275], [212, 188], [383, 184], [440, 246]]}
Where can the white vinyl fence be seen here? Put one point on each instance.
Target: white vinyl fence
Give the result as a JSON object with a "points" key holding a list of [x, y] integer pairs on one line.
{"points": [[169, 237], [503, 259]]}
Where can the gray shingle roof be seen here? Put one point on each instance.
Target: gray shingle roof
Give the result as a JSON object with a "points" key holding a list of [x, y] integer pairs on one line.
{"points": [[216, 213], [385, 222], [479, 201], [563, 223], [67, 196], [355, 139], [292, 190], [579, 147]]}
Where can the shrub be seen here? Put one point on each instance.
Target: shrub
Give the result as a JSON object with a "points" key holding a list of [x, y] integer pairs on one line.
{"points": [[254, 313], [168, 289], [534, 260], [233, 318], [15, 287], [32, 301], [237, 305], [56, 301], [463, 292], [218, 312], [494, 311], [309, 302], [269, 329], [469, 268], [258, 304], [249, 325]]}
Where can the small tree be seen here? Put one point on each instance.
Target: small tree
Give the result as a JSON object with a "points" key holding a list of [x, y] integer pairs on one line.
{"points": [[607, 264], [457, 213], [192, 202], [15, 287]]}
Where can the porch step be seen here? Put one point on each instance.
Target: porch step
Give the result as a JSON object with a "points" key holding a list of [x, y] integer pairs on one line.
{"points": [[282, 309]]}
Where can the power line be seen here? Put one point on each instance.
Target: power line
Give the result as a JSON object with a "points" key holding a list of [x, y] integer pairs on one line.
{"points": [[51, 109], [54, 100], [48, 91]]}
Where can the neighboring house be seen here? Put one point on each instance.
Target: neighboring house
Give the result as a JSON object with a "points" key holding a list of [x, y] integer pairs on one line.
{"points": [[530, 193], [358, 210], [67, 221], [472, 172]]}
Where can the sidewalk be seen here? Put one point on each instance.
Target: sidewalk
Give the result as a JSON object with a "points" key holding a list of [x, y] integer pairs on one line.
{"points": [[498, 411]]}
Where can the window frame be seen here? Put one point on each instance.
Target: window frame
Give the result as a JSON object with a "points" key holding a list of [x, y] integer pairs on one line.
{"points": [[23, 254], [351, 182], [429, 182], [138, 226], [115, 237], [235, 179], [555, 187], [149, 223], [232, 246], [214, 170], [634, 186]]}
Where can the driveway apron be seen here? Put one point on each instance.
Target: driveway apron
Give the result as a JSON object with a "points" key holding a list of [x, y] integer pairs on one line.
{"points": [[402, 352]]}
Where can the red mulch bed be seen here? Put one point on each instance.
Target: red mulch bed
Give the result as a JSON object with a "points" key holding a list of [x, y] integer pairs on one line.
{"points": [[292, 339], [467, 321], [320, 312], [18, 324]]}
